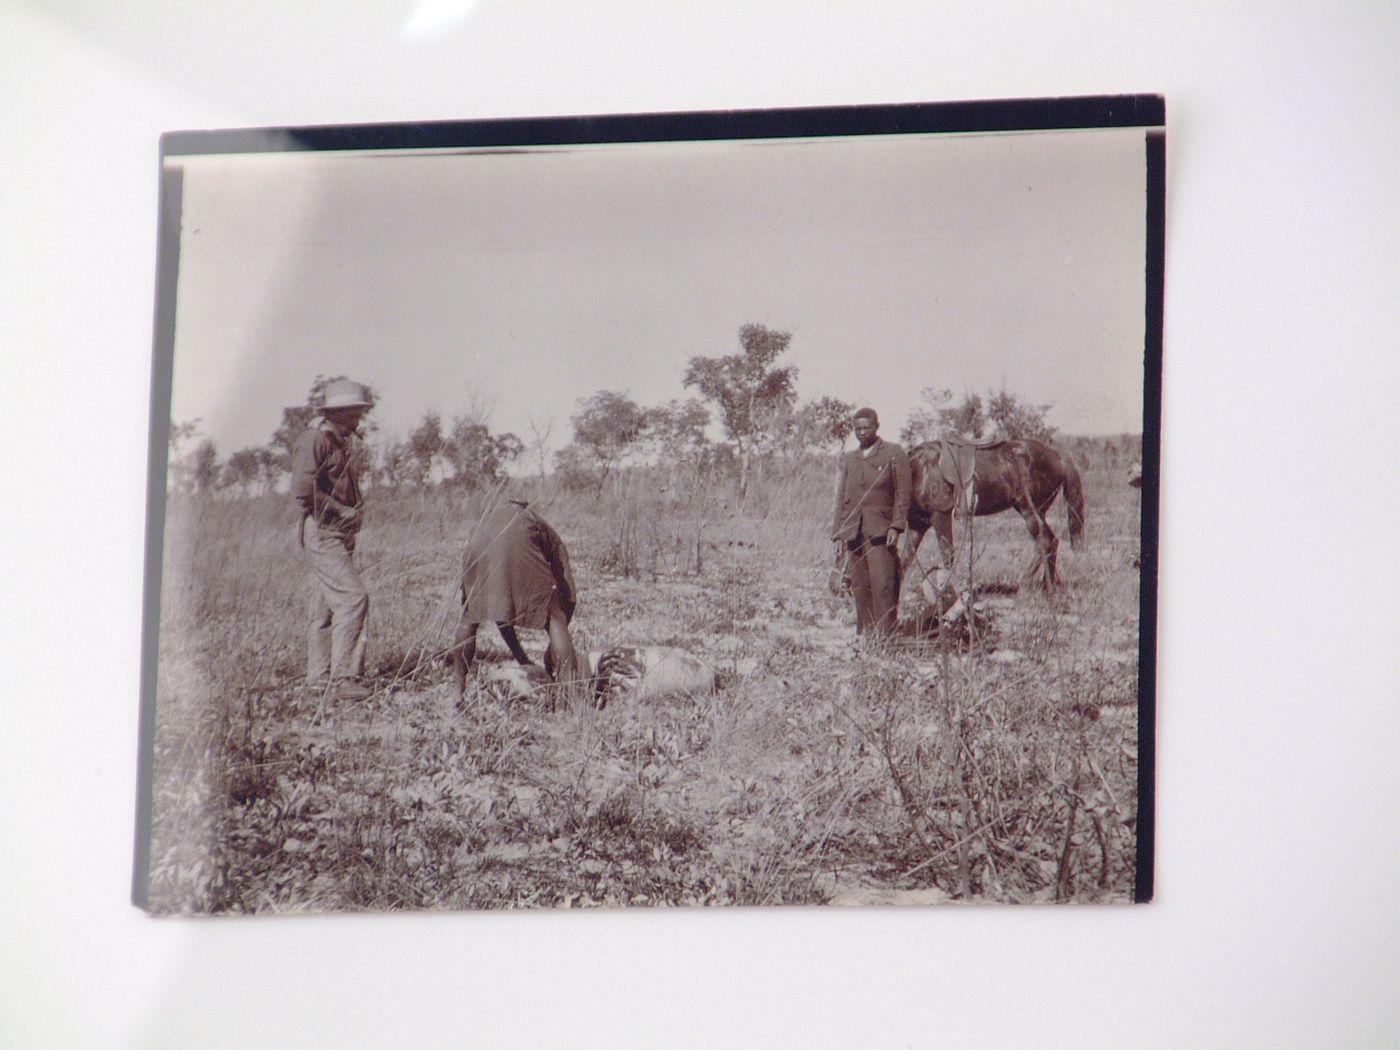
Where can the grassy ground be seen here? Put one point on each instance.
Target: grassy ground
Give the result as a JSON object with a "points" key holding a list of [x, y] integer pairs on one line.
{"points": [[1002, 768]]}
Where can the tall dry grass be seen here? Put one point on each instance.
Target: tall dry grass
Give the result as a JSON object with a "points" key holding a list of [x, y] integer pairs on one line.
{"points": [[997, 767]]}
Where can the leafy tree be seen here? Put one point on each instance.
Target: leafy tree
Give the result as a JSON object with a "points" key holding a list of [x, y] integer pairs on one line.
{"points": [[397, 465], [676, 434], [507, 447], [204, 467], [197, 470], [295, 419], [748, 388], [827, 420], [791, 433], [607, 427], [426, 443], [182, 432], [573, 466], [939, 415], [967, 418], [1001, 413], [268, 469], [468, 451], [243, 469], [178, 466], [478, 457], [1017, 419]]}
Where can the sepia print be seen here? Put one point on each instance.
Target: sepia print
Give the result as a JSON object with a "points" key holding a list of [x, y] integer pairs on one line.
{"points": [[742, 508]]}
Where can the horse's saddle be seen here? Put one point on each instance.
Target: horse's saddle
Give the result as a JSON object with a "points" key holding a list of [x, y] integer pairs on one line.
{"points": [[957, 462]]}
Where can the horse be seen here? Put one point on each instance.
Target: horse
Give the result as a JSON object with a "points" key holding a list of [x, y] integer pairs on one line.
{"points": [[1019, 473]]}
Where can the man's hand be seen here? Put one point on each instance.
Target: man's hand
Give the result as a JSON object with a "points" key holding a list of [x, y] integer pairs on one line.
{"points": [[892, 537]]}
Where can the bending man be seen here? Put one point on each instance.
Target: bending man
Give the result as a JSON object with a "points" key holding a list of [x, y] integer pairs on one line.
{"points": [[516, 573]]}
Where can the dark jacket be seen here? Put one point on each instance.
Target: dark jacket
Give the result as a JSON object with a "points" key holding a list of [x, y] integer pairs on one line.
{"points": [[514, 567], [872, 494]]}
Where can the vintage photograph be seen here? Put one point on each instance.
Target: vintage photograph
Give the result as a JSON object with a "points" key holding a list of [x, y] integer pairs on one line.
{"points": [[754, 509]]}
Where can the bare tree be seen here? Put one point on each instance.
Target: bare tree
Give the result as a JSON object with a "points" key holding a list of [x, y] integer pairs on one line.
{"points": [[538, 445]]}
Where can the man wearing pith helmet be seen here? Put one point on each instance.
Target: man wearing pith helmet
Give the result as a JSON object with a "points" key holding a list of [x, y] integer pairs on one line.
{"points": [[872, 509], [326, 486]]}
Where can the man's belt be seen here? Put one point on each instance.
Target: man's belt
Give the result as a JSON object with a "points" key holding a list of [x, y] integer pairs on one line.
{"points": [[874, 541]]}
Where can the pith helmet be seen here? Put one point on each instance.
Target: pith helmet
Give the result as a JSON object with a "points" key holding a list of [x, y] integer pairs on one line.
{"points": [[345, 394]]}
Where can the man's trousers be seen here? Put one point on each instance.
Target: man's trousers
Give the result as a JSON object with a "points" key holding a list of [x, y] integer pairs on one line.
{"points": [[335, 637], [875, 582]]}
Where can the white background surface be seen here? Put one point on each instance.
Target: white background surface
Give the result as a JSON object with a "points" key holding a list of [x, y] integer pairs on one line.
{"points": [[1278, 903]]}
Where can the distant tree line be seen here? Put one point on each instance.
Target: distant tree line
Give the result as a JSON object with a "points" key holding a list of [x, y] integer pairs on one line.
{"points": [[1002, 415], [752, 395]]}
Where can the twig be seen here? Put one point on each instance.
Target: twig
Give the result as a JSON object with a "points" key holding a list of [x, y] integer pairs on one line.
{"points": [[1104, 781], [948, 849], [1062, 879]]}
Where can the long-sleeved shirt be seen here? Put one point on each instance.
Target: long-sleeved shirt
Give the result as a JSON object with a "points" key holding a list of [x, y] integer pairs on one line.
{"points": [[323, 478]]}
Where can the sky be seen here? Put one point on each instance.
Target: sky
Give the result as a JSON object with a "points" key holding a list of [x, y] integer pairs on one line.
{"points": [[516, 283]]}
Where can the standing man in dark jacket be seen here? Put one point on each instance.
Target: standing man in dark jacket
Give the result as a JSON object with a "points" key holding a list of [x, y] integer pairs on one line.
{"points": [[326, 486], [872, 509]]}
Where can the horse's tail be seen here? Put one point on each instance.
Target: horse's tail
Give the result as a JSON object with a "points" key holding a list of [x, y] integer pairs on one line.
{"points": [[1074, 501]]}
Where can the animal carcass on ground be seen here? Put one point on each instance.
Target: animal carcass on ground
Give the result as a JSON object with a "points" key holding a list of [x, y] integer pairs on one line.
{"points": [[646, 672]]}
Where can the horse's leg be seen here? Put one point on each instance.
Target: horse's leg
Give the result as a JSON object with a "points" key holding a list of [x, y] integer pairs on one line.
{"points": [[1050, 546], [1052, 558], [909, 548], [908, 552], [1043, 507], [943, 529], [1073, 494], [1047, 545], [933, 561]]}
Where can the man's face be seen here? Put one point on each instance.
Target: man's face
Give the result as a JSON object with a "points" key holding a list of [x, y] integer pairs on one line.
{"points": [[346, 419], [866, 430]]}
